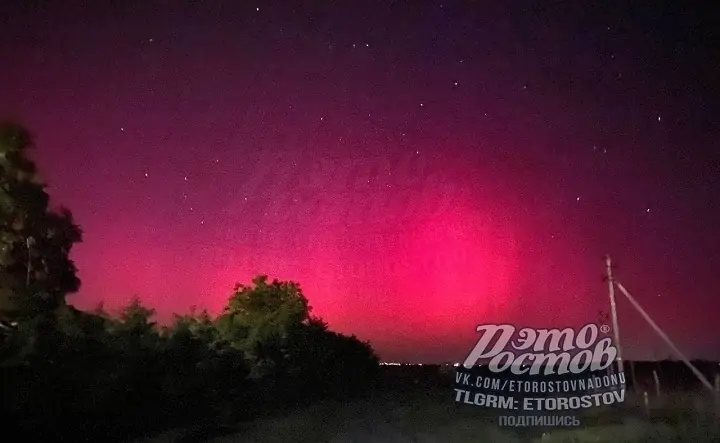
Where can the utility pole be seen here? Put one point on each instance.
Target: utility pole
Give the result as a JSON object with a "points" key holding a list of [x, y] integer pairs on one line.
{"points": [[30, 242], [666, 339], [613, 307], [660, 332]]}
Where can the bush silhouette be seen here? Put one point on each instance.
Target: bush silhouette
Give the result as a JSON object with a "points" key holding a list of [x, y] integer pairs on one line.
{"points": [[71, 375]]}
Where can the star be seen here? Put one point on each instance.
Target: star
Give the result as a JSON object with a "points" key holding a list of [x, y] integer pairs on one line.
{"points": [[469, 193]]}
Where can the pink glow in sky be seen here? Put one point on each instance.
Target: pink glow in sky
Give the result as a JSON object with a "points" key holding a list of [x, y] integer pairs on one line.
{"points": [[417, 170]]}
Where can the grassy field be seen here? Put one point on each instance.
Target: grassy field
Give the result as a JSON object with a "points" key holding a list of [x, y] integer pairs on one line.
{"points": [[432, 417]]}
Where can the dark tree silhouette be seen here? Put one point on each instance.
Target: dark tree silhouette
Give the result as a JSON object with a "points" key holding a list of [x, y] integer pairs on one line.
{"points": [[36, 272], [71, 375]]}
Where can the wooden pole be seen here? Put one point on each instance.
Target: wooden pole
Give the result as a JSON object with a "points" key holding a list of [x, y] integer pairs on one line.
{"points": [[30, 242], [613, 307], [717, 399], [657, 383], [665, 337]]}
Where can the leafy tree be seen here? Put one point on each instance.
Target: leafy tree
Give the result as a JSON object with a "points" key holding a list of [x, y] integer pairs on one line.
{"points": [[199, 325], [294, 352], [137, 318], [135, 332], [263, 314], [323, 362], [36, 272], [121, 375]]}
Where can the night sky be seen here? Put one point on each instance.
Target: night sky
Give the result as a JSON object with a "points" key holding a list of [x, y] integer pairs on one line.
{"points": [[419, 167]]}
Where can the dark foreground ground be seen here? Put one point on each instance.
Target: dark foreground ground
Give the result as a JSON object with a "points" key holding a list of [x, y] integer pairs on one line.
{"points": [[431, 416]]}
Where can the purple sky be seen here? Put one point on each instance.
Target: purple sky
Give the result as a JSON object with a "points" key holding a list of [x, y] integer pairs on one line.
{"points": [[419, 167]]}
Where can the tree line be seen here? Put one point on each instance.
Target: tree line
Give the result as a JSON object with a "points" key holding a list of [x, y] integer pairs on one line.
{"points": [[67, 374]]}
